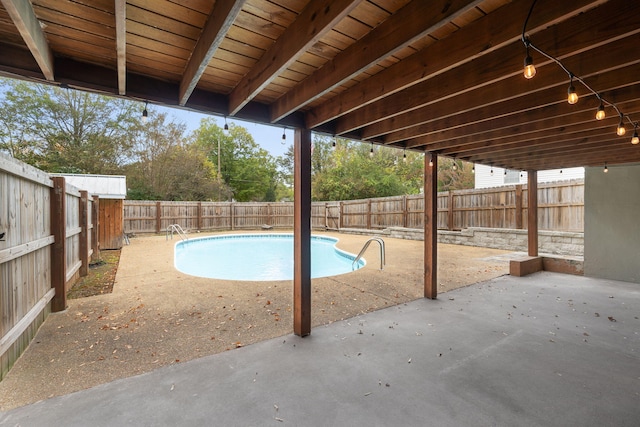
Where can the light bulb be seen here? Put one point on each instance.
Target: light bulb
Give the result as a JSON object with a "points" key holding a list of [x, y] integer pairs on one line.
{"points": [[371, 151], [634, 139], [529, 68], [473, 169], [572, 96], [431, 161], [606, 169], [284, 135], [620, 130], [145, 113], [600, 113], [491, 173], [333, 145], [226, 126], [454, 167], [404, 156]]}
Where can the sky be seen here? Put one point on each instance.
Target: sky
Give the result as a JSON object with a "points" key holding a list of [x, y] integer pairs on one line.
{"points": [[267, 137]]}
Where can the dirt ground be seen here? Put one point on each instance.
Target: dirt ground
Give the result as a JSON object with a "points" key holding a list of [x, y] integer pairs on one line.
{"points": [[157, 316]]}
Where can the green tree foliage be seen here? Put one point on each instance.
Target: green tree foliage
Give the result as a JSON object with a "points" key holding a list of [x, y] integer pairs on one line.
{"points": [[63, 130], [249, 171]]}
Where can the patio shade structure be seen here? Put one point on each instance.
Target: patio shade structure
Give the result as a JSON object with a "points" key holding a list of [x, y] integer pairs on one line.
{"points": [[444, 77]]}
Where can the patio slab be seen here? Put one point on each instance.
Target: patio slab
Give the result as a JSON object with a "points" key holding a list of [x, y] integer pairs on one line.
{"points": [[542, 350]]}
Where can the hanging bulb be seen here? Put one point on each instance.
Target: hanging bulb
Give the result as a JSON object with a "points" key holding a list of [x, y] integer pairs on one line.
{"points": [[431, 160], [634, 139], [284, 135], [529, 68], [404, 156], [145, 113], [371, 152], [333, 145], [572, 96], [491, 172], [606, 169], [473, 169], [600, 113], [560, 170], [226, 126], [505, 172], [620, 130]]}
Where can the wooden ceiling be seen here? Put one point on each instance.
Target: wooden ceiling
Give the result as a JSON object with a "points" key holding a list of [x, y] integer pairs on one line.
{"points": [[442, 76]]}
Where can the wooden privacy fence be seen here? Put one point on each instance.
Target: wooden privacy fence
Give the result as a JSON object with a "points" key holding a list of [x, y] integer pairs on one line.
{"points": [[560, 208], [49, 235]]}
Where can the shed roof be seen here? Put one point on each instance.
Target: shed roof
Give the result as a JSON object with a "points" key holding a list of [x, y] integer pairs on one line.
{"points": [[442, 76], [104, 186]]}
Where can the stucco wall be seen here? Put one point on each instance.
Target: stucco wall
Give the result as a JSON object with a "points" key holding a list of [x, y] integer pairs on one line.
{"points": [[612, 223]]}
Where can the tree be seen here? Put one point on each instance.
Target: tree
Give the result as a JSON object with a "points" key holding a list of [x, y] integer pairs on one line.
{"points": [[63, 130], [248, 170]]}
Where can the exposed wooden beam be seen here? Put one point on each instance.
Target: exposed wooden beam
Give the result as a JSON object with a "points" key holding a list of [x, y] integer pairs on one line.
{"points": [[481, 37], [222, 17], [430, 226], [532, 212], [318, 18], [121, 44], [302, 233], [23, 17], [494, 68], [415, 20]]}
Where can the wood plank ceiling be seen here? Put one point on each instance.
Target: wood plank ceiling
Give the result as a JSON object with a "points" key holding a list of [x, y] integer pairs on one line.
{"points": [[441, 76]]}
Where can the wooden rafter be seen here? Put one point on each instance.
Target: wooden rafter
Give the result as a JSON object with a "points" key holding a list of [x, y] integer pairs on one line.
{"points": [[314, 22], [222, 17], [121, 44], [498, 28], [412, 22], [23, 17]]}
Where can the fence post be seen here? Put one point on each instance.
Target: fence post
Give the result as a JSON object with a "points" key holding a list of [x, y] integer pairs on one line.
{"points": [[368, 214], [199, 224], [450, 211], [232, 219], [158, 216], [58, 249], [341, 211], [95, 231], [405, 212], [84, 233], [519, 207]]}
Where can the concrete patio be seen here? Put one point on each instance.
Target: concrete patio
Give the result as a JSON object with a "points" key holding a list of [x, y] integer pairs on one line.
{"points": [[543, 350]]}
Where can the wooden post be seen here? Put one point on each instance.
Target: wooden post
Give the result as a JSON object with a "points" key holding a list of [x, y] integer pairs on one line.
{"points": [[302, 233], [58, 249], [95, 231], [269, 213], [158, 217], [532, 213], [430, 226], [84, 233], [231, 217], [519, 207], [340, 222], [368, 214], [405, 212], [199, 224], [450, 212]]}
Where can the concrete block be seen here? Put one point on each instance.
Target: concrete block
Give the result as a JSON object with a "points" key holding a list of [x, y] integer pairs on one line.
{"points": [[525, 265]]}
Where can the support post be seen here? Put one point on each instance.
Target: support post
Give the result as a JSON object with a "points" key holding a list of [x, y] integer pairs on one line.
{"points": [[532, 212], [95, 231], [199, 213], [450, 211], [158, 217], [84, 233], [430, 226], [302, 233], [58, 249]]}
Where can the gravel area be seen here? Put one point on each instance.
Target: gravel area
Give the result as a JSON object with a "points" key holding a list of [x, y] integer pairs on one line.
{"points": [[157, 316]]}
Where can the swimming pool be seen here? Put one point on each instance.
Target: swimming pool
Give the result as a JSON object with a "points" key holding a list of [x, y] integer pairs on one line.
{"points": [[258, 257]]}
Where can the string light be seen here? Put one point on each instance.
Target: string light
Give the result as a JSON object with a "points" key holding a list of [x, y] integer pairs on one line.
{"points": [[473, 168], [371, 151], [634, 139], [431, 160], [606, 169], [333, 144], [600, 114], [455, 166], [284, 135], [145, 113], [621, 130], [491, 172], [404, 156], [226, 126], [572, 95]]}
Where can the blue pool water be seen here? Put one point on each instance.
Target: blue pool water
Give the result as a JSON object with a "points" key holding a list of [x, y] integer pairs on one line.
{"points": [[258, 257]]}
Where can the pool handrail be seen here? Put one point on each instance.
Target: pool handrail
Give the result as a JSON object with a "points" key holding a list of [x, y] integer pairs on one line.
{"points": [[364, 248], [178, 230]]}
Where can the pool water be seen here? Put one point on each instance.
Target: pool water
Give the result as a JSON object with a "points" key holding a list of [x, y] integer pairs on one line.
{"points": [[259, 257]]}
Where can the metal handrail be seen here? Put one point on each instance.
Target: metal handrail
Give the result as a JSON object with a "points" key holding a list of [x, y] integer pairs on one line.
{"points": [[364, 248], [178, 230]]}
